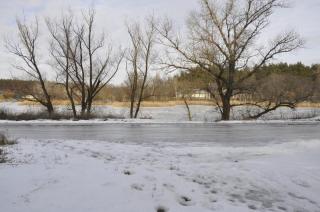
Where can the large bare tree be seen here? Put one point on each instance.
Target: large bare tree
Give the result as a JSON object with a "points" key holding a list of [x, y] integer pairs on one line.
{"points": [[140, 61], [27, 48], [223, 40]]}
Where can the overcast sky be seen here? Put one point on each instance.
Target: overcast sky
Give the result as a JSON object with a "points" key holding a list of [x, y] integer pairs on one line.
{"points": [[303, 16]]}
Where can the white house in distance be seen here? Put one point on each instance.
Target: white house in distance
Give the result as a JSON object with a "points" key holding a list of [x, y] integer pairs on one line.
{"points": [[197, 94], [28, 97], [200, 94]]}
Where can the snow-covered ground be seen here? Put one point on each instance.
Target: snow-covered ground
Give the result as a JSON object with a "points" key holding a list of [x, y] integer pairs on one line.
{"points": [[200, 113], [83, 175]]}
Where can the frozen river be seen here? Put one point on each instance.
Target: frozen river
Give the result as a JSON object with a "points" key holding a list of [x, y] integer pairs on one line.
{"points": [[233, 134]]}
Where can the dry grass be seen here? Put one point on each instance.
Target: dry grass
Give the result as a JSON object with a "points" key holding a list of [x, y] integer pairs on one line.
{"points": [[127, 104], [4, 141], [2, 156], [309, 105], [28, 116], [161, 103]]}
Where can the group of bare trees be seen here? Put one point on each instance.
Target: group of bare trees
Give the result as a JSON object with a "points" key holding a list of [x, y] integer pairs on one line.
{"points": [[221, 40], [83, 61]]}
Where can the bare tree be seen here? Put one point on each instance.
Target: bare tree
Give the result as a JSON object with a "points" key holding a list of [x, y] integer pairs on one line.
{"points": [[63, 42], [140, 59], [186, 89], [223, 41], [86, 61], [98, 62], [27, 49]]}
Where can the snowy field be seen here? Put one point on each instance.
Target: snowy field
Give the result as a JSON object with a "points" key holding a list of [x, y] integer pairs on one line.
{"points": [[163, 164], [82, 175]]}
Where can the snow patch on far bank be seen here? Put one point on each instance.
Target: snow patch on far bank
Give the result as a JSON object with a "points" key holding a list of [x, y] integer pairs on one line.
{"points": [[174, 114]]}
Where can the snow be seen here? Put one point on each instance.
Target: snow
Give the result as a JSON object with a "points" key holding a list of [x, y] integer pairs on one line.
{"points": [[86, 175], [174, 114]]}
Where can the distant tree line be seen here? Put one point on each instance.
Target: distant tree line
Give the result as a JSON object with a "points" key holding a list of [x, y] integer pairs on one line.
{"points": [[219, 52]]}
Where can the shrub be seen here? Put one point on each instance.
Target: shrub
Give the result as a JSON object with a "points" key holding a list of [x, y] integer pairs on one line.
{"points": [[2, 157], [5, 141], [29, 115]]}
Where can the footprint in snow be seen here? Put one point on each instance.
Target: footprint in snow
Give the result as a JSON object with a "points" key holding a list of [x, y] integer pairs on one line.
{"points": [[169, 186], [138, 187], [127, 172], [252, 207], [185, 201], [282, 208]]}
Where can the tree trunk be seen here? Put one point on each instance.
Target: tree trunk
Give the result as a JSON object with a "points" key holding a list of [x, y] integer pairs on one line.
{"points": [[74, 111], [89, 107], [226, 108], [131, 104], [226, 112], [137, 110], [188, 108], [226, 104], [141, 92], [139, 101], [70, 97], [50, 109], [133, 93], [46, 94], [83, 109]]}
